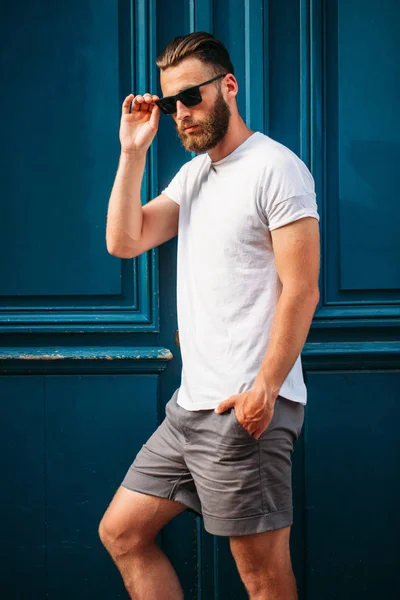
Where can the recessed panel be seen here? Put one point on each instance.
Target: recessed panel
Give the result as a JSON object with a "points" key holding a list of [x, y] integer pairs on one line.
{"points": [[362, 145], [59, 152], [352, 485], [369, 151], [23, 489]]}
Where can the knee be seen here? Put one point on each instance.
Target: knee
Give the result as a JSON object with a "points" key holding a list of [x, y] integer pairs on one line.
{"points": [[118, 540], [257, 582], [108, 534], [265, 577]]}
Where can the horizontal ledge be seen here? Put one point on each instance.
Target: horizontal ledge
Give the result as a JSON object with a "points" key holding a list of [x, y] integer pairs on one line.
{"points": [[145, 353], [350, 348], [358, 311], [81, 328], [92, 353]]}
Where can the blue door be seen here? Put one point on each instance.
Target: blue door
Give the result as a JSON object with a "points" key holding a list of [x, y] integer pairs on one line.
{"points": [[88, 351]]}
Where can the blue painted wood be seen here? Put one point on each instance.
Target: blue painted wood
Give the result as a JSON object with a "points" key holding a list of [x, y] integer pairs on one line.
{"points": [[23, 538], [84, 360], [283, 36], [306, 78], [359, 213], [305, 82], [203, 15], [368, 151], [58, 176], [298, 547], [59, 275], [352, 485], [63, 457], [80, 353], [255, 57]]}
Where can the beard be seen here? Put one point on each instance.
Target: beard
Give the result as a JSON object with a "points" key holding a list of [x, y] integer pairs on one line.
{"points": [[210, 131]]}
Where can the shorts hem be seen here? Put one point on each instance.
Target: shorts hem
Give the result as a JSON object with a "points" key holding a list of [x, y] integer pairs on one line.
{"points": [[146, 484], [248, 525]]}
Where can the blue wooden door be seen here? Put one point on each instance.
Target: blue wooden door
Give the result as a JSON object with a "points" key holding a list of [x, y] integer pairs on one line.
{"points": [[88, 354]]}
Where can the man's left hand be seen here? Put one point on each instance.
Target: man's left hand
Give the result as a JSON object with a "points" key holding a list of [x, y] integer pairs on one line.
{"points": [[254, 409]]}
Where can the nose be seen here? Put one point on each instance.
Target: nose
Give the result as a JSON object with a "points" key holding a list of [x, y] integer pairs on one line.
{"points": [[182, 111]]}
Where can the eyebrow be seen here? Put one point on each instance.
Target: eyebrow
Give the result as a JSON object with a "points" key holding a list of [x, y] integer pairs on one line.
{"points": [[182, 90]]}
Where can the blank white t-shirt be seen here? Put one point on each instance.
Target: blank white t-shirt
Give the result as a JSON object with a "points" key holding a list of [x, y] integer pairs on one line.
{"points": [[227, 282]]}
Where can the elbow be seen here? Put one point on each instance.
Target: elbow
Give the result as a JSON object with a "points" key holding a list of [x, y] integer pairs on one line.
{"points": [[303, 293], [119, 251], [120, 245]]}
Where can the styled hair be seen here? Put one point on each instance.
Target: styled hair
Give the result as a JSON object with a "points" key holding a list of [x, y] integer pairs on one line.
{"points": [[201, 45]]}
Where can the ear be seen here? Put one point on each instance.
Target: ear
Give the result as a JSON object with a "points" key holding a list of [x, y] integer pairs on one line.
{"points": [[230, 86]]}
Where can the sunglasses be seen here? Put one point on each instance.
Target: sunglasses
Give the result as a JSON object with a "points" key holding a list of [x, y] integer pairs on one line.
{"points": [[189, 97]]}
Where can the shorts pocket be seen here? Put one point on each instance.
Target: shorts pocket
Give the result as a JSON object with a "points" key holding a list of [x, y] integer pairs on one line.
{"points": [[240, 427]]}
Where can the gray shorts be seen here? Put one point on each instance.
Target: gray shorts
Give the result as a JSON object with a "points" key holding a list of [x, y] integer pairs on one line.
{"points": [[210, 463]]}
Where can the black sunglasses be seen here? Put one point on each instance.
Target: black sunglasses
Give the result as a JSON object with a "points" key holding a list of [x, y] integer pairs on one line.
{"points": [[189, 97]]}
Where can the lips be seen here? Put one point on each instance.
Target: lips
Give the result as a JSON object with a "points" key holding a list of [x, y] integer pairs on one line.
{"points": [[190, 128]]}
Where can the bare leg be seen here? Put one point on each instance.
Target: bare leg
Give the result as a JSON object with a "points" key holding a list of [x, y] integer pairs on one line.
{"points": [[264, 564], [128, 530]]}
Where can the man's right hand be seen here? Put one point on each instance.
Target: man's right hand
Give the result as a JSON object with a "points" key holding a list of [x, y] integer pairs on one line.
{"points": [[139, 127]]}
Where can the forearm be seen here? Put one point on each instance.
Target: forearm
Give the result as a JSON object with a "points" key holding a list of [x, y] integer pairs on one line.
{"points": [[125, 216], [290, 327]]}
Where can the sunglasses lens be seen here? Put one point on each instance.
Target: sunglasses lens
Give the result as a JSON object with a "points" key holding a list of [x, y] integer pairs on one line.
{"points": [[167, 105], [190, 97]]}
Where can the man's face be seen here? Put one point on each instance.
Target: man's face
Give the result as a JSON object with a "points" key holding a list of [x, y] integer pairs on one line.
{"points": [[210, 117]]}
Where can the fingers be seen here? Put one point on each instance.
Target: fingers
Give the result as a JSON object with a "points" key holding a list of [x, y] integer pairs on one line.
{"points": [[155, 114], [144, 103], [126, 105], [223, 406]]}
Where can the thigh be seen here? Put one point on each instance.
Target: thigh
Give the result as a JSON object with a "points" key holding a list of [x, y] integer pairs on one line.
{"points": [[264, 550], [133, 515]]}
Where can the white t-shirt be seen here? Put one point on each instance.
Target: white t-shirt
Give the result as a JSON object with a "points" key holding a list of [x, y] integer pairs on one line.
{"points": [[227, 283]]}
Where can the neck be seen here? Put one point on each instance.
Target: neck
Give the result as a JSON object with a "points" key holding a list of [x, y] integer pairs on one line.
{"points": [[237, 133]]}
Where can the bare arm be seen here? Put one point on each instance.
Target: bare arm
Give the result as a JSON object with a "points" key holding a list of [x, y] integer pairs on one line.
{"points": [[131, 228], [125, 214], [160, 219], [297, 257]]}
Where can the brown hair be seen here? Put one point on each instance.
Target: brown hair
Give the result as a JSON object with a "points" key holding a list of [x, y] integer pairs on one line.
{"points": [[201, 45]]}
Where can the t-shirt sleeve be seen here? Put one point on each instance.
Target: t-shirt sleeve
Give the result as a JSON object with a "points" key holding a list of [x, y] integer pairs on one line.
{"points": [[176, 187], [288, 193]]}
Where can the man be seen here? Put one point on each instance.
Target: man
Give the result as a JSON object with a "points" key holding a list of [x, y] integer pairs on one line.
{"points": [[247, 289]]}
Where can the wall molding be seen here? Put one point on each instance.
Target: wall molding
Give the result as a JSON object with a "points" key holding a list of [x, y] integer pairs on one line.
{"points": [[351, 355], [135, 306], [93, 359]]}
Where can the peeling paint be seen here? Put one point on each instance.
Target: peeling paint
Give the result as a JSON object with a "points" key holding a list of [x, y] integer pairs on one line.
{"points": [[136, 354]]}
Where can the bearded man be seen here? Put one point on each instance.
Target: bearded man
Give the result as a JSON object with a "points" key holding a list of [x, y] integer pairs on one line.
{"points": [[244, 209]]}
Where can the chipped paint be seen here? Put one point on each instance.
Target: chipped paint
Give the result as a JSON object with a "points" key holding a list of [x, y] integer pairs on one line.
{"points": [[109, 354]]}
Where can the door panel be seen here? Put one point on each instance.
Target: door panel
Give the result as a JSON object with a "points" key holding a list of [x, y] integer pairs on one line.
{"points": [[23, 547], [352, 485], [86, 361]]}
